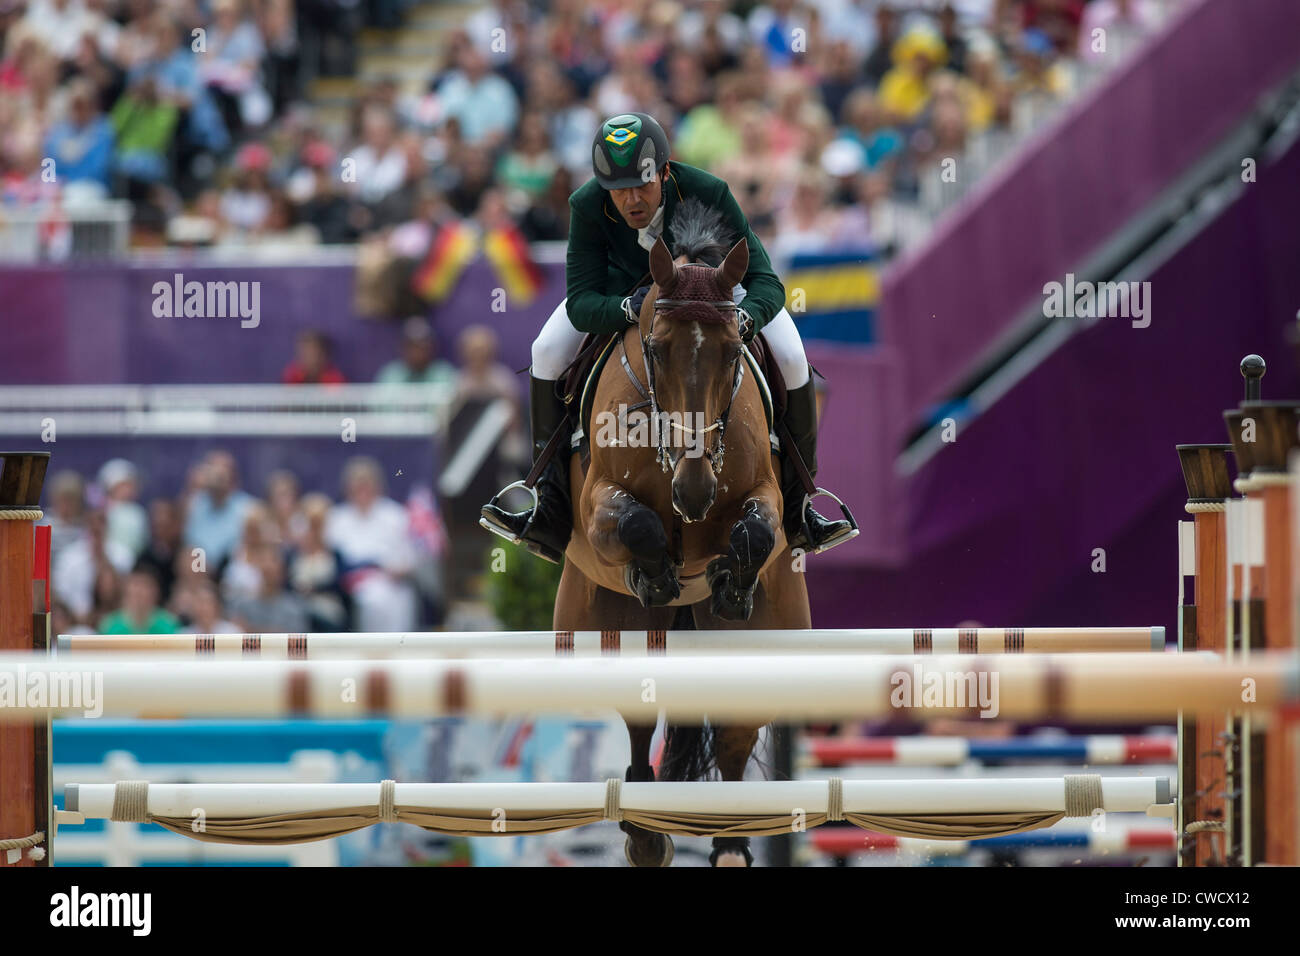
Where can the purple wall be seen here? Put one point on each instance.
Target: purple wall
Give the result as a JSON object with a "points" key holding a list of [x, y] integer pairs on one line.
{"points": [[1078, 181], [1080, 455]]}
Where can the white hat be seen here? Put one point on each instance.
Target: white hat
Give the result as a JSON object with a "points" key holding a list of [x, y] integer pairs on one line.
{"points": [[115, 472]]}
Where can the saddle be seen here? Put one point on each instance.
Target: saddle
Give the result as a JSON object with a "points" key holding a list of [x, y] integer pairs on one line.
{"points": [[580, 379]]}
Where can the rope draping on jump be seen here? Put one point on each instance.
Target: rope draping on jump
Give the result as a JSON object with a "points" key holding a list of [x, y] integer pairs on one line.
{"points": [[212, 818]]}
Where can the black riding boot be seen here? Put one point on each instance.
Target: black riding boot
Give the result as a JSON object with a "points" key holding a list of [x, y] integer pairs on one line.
{"points": [[544, 529], [804, 527]]}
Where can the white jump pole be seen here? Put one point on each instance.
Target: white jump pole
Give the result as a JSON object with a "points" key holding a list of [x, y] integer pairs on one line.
{"points": [[1093, 687], [1025, 795], [986, 640]]}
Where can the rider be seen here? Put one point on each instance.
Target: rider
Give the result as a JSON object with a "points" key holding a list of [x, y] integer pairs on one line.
{"points": [[615, 219]]}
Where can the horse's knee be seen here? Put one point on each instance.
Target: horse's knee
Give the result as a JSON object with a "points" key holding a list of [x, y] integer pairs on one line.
{"points": [[642, 533]]}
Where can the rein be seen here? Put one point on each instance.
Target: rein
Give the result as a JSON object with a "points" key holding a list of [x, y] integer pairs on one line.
{"points": [[664, 456]]}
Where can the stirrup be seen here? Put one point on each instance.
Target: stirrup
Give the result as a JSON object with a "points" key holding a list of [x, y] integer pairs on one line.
{"points": [[498, 529], [834, 540]]}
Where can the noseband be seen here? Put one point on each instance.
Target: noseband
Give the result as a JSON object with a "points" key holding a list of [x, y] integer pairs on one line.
{"points": [[715, 455]]}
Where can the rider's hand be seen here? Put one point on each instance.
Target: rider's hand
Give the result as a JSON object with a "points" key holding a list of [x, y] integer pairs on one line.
{"points": [[632, 304], [746, 326]]}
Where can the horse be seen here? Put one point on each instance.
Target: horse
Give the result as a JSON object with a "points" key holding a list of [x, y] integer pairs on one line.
{"points": [[685, 530]]}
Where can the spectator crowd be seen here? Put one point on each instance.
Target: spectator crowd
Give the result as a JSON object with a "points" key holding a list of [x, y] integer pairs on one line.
{"points": [[825, 116], [214, 558]]}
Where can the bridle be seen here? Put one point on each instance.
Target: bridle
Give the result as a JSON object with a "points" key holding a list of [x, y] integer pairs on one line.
{"points": [[663, 455]]}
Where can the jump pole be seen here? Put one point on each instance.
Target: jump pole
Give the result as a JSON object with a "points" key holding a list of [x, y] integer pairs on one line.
{"points": [[1087, 688], [24, 743], [764, 797], [987, 640]]}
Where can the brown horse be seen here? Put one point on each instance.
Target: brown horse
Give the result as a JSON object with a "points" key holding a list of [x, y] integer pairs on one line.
{"points": [[686, 534]]}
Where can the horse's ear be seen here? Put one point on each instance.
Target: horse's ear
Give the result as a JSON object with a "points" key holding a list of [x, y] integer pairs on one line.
{"points": [[735, 266], [662, 268]]}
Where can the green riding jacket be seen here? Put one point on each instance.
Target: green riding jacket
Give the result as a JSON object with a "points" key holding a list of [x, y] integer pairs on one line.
{"points": [[605, 264]]}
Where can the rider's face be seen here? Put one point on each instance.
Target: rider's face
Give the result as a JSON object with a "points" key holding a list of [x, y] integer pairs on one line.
{"points": [[638, 204]]}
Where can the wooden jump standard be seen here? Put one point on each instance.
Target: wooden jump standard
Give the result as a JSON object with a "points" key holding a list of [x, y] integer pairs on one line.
{"points": [[24, 626]]}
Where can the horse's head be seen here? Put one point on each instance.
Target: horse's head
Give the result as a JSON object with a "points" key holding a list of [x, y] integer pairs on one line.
{"points": [[692, 344]]}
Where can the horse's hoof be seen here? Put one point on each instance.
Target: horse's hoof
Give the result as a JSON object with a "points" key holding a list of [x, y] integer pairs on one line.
{"points": [[730, 602], [653, 591], [731, 858], [665, 858]]}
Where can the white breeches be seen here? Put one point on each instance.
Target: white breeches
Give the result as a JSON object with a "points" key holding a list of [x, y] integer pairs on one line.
{"points": [[557, 344]]}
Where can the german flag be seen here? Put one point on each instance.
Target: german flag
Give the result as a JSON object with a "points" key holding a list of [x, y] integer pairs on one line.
{"points": [[453, 248], [507, 250]]}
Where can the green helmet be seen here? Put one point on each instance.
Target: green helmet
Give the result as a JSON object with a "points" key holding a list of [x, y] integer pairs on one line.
{"points": [[629, 151]]}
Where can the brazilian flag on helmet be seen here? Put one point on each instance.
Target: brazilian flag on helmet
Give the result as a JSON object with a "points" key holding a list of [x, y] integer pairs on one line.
{"points": [[629, 151]]}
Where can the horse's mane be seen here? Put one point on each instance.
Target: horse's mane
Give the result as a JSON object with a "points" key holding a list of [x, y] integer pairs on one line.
{"points": [[701, 235]]}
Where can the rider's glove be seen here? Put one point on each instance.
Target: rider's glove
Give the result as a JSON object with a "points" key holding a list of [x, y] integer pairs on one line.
{"points": [[632, 304], [746, 326]]}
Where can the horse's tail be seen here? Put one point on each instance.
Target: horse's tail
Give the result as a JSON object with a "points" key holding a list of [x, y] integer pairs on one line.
{"points": [[689, 752]]}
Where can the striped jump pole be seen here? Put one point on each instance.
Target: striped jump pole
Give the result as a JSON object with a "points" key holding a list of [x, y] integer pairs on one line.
{"points": [[844, 842], [1086, 688], [984, 640], [922, 751]]}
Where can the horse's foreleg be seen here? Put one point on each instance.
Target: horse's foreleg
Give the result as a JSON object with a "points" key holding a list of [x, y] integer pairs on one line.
{"points": [[644, 847], [749, 544], [733, 746], [623, 531]]}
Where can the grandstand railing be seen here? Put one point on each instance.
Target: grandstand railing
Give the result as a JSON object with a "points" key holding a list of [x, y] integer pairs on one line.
{"points": [[378, 410], [51, 231]]}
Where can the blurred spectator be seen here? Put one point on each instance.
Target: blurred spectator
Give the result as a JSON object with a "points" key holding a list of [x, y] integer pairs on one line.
{"points": [[881, 58], [231, 67], [371, 533], [282, 490], [481, 375], [378, 161], [77, 571], [144, 125], [954, 38], [140, 613], [905, 89], [312, 363], [840, 76], [272, 610], [1120, 22], [316, 571], [163, 549], [59, 24], [241, 577], [809, 222], [82, 145], [66, 516], [128, 525], [217, 510], [418, 364], [206, 613], [246, 204], [482, 102], [528, 166]]}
